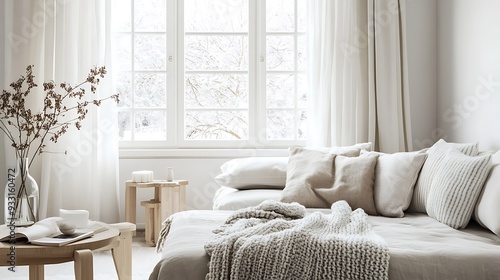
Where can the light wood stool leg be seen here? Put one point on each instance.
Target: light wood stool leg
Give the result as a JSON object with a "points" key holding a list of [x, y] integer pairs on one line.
{"points": [[157, 222], [122, 254], [36, 272], [84, 265]]}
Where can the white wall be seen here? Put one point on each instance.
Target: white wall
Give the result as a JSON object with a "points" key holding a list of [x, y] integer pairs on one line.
{"points": [[469, 71], [421, 19]]}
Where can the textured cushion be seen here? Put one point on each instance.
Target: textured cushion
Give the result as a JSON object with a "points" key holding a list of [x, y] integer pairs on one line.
{"points": [[316, 179], [487, 210], [456, 186], [254, 172], [395, 177], [435, 155], [308, 170]]}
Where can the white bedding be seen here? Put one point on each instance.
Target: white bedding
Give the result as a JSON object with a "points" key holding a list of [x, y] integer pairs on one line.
{"points": [[419, 246], [232, 199]]}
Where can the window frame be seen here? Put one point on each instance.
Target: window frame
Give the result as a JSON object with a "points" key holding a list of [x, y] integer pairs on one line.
{"points": [[175, 74]]}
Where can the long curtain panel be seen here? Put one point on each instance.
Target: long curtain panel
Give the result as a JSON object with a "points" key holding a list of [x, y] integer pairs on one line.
{"points": [[358, 74], [64, 40]]}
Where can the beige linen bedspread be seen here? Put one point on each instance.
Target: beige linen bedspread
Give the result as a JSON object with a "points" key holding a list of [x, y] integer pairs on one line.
{"points": [[419, 248]]}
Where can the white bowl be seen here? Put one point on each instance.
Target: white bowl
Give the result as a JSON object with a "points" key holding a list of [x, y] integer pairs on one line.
{"points": [[66, 228]]}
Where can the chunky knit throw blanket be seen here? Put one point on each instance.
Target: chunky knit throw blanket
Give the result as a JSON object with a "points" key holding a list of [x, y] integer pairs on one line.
{"points": [[278, 241]]}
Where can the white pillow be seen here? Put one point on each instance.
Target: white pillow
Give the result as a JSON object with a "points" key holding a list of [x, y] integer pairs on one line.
{"points": [[456, 187], [487, 210], [254, 172], [395, 177], [435, 155]]}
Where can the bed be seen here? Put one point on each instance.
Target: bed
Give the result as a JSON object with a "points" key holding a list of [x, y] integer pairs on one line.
{"points": [[455, 236], [419, 247]]}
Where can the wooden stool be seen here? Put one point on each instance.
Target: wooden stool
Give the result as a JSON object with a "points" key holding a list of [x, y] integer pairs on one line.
{"points": [[153, 221]]}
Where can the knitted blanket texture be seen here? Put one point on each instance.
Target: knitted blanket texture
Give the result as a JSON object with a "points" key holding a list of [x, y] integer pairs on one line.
{"points": [[277, 240]]}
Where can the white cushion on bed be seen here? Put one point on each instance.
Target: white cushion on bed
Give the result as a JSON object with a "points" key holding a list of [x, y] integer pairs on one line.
{"points": [[253, 172], [456, 186], [232, 199], [395, 177], [487, 210], [435, 155]]}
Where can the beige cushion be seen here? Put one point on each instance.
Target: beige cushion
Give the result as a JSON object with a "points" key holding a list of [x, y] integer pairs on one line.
{"points": [[435, 155], [456, 187], [354, 179], [307, 171], [317, 179], [487, 210], [395, 177], [253, 172]]}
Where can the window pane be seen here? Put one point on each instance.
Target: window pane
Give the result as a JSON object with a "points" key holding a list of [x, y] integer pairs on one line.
{"points": [[301, 53], [302, 129], [280, 91], [122, 52], [218, 15], [216, 52], [150, 52], [124, 88], [280, 53], [150, 15], [280, 125], [150, 90], [216, 125], [302, 89], [124, 126], [150, 125], [122, 14], [280, 15], [216, 91]]}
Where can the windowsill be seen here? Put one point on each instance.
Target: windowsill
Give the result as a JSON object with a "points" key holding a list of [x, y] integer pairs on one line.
{"points": [[184, 153]]}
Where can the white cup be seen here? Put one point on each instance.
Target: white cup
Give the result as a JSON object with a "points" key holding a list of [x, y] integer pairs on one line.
{"points": [[79, 218]]}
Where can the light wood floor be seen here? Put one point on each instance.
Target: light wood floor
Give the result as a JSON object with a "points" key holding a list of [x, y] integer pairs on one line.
{"points": [[143, 260]]}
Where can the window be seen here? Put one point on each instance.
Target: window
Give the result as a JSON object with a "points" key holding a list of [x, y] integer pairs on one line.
{"points": [[212, 73]]}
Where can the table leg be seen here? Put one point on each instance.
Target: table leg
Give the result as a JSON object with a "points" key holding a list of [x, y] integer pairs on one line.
{"points": [[130, 201], [122, 256], [84, 265], [166, 203], [36, 272], [182, 198]]}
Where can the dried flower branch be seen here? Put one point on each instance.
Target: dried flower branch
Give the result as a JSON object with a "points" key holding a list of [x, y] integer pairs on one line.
{"points": [[27, 130]]}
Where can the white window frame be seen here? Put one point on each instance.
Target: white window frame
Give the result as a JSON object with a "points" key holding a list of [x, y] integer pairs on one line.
{"points": [[175, 84]]}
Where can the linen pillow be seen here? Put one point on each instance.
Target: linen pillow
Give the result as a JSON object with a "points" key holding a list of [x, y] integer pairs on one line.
{"points": [[487, 209], [395, 177], [254, 172], [307, 171], [317, 179], [435, 155], [354, 179], [456, 187]]}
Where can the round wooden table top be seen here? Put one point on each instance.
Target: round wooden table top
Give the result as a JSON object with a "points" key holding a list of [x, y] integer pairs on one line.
{"points": [[27, 254]]}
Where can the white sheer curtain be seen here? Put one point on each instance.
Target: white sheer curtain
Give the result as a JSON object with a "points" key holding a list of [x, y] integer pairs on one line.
{"points": [[357, 73], [64, 40]]}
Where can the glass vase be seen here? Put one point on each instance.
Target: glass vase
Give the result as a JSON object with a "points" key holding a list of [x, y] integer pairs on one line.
{"points": [[21, 196]]}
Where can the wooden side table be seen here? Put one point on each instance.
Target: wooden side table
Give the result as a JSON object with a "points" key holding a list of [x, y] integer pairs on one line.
{"points": [[118, 239], [169, 197]]}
